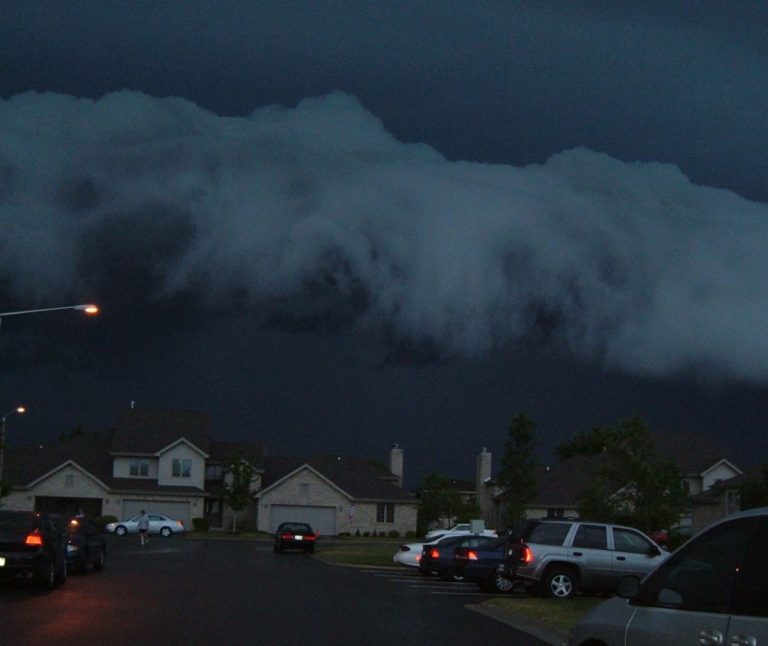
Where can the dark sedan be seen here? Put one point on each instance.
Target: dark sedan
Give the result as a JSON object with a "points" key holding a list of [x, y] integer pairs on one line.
{"points": [[438, 558], [479, 564], [295, 536], [86, 547], [33, 547]]}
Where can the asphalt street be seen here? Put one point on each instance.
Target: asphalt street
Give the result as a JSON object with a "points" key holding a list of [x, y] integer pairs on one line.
{"points": [[190, 591]]}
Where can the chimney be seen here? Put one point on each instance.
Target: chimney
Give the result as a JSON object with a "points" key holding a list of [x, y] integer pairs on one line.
{"points": [[396, 463], [483, 475]]}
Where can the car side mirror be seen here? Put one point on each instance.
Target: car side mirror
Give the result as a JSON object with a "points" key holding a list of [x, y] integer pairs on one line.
{"points": [[628, 587], [654, 551]]}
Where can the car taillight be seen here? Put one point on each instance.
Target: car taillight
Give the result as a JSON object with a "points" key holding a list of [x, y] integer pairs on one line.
{"points": [[526, 555], [310, 537], [34, 539], [286, 536], [434, 554], [472, 555]]}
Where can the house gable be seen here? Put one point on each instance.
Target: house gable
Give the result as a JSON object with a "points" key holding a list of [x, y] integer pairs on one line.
{"points": [[292, 476], [68, 477]]}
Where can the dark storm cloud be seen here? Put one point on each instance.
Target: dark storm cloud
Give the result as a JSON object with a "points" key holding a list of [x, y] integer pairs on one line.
{"points": [[318, 216]]}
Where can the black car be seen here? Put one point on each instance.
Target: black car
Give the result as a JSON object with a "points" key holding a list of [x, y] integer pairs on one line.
{"points": [[86, 547], [295, 536], [479, 563], [32, 546], [438, 557]]}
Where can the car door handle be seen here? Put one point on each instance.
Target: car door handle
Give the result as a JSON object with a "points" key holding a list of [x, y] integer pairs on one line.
{"points": [[621, 558], [713, 637], [577, 554], [742, 640]]}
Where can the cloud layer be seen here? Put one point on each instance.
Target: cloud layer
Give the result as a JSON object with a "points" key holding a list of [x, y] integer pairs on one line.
{"points": [[317, 212]]}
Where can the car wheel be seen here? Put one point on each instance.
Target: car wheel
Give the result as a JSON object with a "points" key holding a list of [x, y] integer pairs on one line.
{"points": [[499, 583], [98, 564], [165, 532], [560, 583], [120, 530], [47, 579]]}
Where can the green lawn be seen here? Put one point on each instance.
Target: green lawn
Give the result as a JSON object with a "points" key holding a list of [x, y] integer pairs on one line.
{"points": [[359, 553]]}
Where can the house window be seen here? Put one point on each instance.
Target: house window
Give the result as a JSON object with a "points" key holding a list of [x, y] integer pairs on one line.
{"points": [[385, 512], [139, 467], [182, 468]]}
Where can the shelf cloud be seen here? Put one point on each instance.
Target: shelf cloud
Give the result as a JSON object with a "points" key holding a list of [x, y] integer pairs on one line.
{"points": [[316, 215]]}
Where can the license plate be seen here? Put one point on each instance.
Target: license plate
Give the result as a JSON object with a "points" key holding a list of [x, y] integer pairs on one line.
{"points": [[2, 561], [298, 537]]}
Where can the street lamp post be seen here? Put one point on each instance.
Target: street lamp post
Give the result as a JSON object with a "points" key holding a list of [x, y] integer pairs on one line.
{"points": [[19, 410], [88, 308]]}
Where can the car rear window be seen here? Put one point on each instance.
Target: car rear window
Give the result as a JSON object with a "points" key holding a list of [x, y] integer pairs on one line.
{"points": [[547, 533], [296, 527], [16, 522]]}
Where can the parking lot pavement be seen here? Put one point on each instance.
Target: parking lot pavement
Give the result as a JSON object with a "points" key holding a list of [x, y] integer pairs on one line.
{"points": [[414, 580]]}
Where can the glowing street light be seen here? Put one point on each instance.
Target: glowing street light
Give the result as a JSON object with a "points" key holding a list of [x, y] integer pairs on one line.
{"points": [[88, 308], [19, 410]]}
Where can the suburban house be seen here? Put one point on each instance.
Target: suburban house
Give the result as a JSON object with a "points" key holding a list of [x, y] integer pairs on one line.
{"points": [[559, 486], [165, 462], [722, 498]]}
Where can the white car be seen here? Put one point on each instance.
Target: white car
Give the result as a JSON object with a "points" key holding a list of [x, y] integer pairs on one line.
{"points": [[157, 525], [461, 528], [409, 554]]}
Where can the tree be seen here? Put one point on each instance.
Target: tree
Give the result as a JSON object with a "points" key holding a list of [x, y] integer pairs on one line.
{"points": [[236, 489], [633, 482], [438, 501], [754, 492], [517, 476]]}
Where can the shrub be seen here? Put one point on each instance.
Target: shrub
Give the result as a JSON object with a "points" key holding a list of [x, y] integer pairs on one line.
{"points": [[366, 534], [201, 524], [102, 521], [382, 534], [393, 533], [410, 534]]}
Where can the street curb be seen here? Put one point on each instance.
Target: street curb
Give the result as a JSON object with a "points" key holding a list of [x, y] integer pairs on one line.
{"points": [[544, 633]]}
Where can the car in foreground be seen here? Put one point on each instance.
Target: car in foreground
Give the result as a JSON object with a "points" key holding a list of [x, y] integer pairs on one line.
{"points": [[558, 557], [86, 547], [32, 547], [158, 524], [710, 591], [295, 536], [409, 554], [438, 557], [480, 563]]}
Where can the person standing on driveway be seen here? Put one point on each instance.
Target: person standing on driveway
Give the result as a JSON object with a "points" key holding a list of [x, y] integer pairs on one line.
{"points": [[144, 527]]}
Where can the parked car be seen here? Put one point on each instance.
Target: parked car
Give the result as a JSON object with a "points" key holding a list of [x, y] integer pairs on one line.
{"points": [[710, 591], [409, 554], [559, 557], [158, 524], [460, 528], [480, 562], [438, 557], [33, 547], [86, 547], [295, 536]]}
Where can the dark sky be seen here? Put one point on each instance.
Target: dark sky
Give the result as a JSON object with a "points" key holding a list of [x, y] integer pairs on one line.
{"points": [[335, 226]]}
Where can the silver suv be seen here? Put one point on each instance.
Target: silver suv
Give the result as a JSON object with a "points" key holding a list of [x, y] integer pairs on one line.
{"points": [[559, 557]]}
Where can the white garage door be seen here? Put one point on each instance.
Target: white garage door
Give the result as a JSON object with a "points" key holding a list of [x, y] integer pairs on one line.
{"points": [[322, 519], [172, 509]]}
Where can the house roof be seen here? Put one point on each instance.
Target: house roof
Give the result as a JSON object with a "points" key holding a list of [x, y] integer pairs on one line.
{"points": [[361, 479], [145, 432], [720, 487], [693, 453], [26, 464], [226, 452], [562, 484]]}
